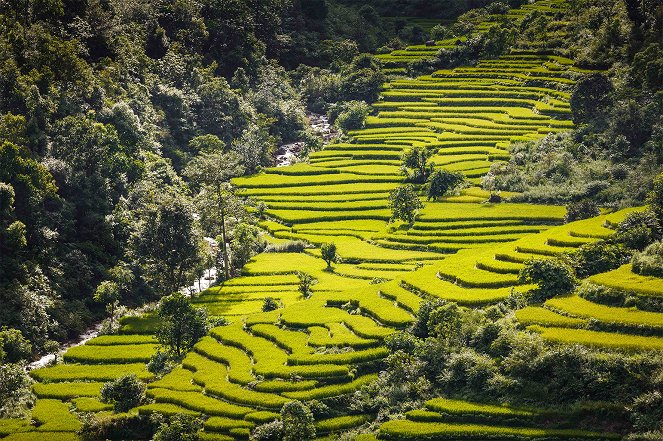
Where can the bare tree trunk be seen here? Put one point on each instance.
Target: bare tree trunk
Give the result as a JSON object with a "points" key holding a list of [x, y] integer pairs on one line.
{"points": [[223, 234]]}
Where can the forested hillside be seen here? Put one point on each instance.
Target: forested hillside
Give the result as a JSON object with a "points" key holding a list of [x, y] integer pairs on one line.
{"points": [[473, 253]]}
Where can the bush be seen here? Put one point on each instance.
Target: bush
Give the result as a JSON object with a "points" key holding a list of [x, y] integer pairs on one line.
{"points": [[124, 393], [159, 363], [269, 304], [14, 347], [179, 428], [306, 281], [420, 327], [362, 80], [442, 182], [298, 423], [583, 209], [103, 427], [553, 277], [15, 393], [468, 371], [404, 203], [182, 325], [638, 230], [650, 261], [597, 257], [272, 431], [646, 412], [352, 115], [291, 246]]}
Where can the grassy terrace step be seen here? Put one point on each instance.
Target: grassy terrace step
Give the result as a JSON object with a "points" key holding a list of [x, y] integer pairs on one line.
{"points": [[624, 279], [241, 374], [412, 430], [599, 339], [575, 305]]}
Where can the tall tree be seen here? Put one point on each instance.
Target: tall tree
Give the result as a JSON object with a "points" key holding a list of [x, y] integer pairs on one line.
{"points": [[404, 203], [165, 244], [212, 171], [182, 324]]}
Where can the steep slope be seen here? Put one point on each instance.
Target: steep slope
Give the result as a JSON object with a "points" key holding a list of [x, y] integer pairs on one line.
{"points": [[328, 345]]}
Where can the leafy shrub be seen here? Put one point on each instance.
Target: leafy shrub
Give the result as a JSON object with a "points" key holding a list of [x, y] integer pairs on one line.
{"points": [[638, 230], [362, 80], [15, 393], [269, 304], [442, 182], [298, 423], [553, 277], [401, 341], [272, 431], [415, 165], [352, 115], [13, 346], [646, 412], [179, 428], [420, 327], [444, 322], [103, 427], [124, 393], [160, 363], [583, 209], [468, 371], [655, 197], [597, 257], [650, 261], [306, 281]]}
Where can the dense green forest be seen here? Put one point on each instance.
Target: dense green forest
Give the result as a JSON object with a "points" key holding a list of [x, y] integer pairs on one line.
{"points": [[474, 254]]}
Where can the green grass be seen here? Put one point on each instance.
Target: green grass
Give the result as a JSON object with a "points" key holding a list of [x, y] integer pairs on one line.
{"points": [[460, 407], [54, 416], [66, 390], [577, 306], [599, 338], [123, 353], [536, 315], [411, 430], [626, 280], [332, 390], [82, 372], [340, 423], [87, 404], [198, 402]]}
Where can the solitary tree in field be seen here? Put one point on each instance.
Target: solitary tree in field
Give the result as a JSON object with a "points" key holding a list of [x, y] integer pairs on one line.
{"points": [[211, 171], [405, 203], [442, 182], [124, 393], [415, 164], [306, 281], [329, 255], [182, 325]]}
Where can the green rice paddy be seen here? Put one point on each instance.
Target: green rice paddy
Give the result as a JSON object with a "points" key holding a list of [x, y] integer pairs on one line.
{"points": [[460, 249]]}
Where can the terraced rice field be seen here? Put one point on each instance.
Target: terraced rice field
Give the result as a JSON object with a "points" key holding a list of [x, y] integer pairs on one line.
{"points": [[460, 249], [397, 61]]}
